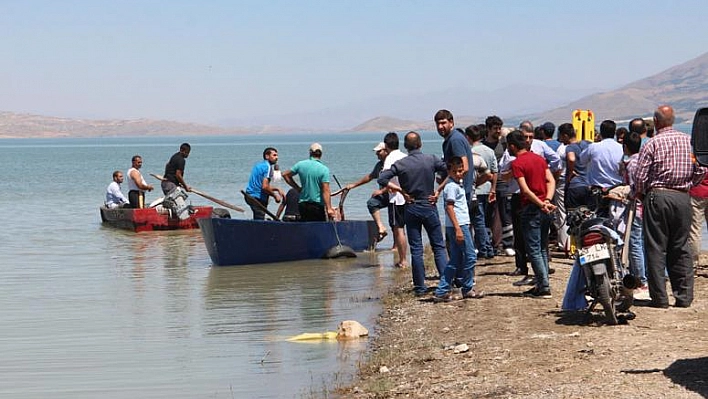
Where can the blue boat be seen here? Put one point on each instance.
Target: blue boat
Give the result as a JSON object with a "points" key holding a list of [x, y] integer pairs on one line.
{"points": [[243, 242]]}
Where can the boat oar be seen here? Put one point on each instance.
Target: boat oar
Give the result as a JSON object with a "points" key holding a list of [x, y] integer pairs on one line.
{"points": [[207, 196], [252, 201], [339, 250], [344, 192]]}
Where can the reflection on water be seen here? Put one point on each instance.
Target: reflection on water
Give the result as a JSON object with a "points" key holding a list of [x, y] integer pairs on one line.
{"points": [[127, 315]]}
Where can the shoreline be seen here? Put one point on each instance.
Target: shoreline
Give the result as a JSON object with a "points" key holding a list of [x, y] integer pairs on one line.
{"points": [[524, 347]]}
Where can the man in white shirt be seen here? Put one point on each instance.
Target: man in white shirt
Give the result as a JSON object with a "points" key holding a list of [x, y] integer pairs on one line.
{"points": [[396, 206], [114, 197]]}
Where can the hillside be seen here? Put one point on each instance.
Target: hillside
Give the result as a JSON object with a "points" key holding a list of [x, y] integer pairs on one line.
{"points": [[685, 87], [14, 125]]}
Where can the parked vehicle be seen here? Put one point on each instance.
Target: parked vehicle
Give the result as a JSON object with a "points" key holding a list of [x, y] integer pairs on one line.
{"points": [[605, 277]]}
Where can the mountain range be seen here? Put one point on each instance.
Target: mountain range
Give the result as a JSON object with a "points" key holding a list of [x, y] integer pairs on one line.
{"points": [[683, 86]]}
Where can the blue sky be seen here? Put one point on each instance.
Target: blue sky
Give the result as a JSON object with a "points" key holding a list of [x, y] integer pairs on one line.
{"points": [[208, 61]]}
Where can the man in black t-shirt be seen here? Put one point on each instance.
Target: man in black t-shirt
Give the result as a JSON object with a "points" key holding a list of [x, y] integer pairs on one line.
{"points": [[174, 170]]}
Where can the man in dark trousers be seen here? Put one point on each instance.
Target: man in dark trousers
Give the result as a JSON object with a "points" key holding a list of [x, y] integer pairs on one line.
{"points": [[664, 173], [174, 170], [416, 176]]}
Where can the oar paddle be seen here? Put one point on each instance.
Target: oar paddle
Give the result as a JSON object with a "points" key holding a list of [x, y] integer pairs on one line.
{"points": [[252, 201], [344, 192], [207, 196]]}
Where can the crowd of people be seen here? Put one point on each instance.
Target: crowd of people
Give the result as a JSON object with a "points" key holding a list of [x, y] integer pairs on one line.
{"points": [[502, 191]]}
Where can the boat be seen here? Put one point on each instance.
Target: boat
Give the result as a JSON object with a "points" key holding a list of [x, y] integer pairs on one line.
{"points": [[152, 219], [242, 242]]}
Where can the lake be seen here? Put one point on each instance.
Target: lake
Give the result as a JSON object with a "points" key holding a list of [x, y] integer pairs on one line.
{"points": [[88, 311]]}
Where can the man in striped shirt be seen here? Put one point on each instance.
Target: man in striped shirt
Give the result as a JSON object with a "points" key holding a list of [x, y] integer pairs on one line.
{"points": [[664, 173]]}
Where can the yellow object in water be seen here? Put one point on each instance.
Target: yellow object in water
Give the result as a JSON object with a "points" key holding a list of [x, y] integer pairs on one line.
{"points": [[584, 124], [325, 336]]}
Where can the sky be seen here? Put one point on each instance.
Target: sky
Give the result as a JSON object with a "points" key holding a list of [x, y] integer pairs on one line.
{"points": [[216, 61]]}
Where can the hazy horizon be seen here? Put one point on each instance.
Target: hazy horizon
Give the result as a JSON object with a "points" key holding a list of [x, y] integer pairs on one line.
{"points": [[283, 63]]}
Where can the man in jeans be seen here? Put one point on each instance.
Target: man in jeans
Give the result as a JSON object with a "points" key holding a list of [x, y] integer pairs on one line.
{"points": [[416, 176], [537, 185], [486, 192]]}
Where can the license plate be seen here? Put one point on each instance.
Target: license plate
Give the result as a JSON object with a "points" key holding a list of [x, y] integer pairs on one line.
{"points": [[594, 253]]}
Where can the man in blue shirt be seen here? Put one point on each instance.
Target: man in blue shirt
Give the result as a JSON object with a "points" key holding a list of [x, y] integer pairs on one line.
{"points": [[416, 176], [455, 144], [549, 129], [259, 183], [603, 163]]}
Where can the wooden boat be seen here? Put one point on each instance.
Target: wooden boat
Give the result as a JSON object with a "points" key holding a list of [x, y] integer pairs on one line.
{"points": [[241, 242], [150, 219]]}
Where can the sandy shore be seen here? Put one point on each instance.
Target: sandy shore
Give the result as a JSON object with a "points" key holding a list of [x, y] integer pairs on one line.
{"points": [[526, 348]]}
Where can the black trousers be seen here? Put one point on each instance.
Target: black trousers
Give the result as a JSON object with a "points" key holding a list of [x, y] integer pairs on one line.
{"points": [[258, 213], [667, 222], [312, 212], [136, 198]]}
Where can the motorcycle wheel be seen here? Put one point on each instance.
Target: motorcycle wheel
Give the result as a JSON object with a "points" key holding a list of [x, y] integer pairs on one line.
{"points": [[604, 296]]}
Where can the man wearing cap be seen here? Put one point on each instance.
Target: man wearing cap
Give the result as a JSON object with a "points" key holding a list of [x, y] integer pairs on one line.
{"points": [[315, 203], [379, 197]]}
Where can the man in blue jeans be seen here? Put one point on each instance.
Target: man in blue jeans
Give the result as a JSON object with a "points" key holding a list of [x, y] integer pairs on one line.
{"points": [[416, 176], [485, 192], [536, 185]]}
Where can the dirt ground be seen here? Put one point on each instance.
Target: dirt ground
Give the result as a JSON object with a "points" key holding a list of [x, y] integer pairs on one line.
{"points": [[527, 348]]}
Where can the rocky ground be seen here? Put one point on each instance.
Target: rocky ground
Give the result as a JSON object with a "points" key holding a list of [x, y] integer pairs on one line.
{"points": [[527, 348]]}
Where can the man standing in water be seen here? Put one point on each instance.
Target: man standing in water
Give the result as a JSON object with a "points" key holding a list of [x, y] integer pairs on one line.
{"points": [[136, 184], [174, 170]]}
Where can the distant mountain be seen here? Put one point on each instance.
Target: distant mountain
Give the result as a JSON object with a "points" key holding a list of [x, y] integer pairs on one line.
{"points": [[14, 125], [684, 87], [385, 123], [421, 106]]}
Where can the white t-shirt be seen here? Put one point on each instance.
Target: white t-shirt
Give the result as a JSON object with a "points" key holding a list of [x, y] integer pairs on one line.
{"points": [[394, 156]]}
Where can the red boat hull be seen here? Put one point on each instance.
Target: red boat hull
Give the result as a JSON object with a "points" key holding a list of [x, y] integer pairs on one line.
{"points": [[149, 219]]}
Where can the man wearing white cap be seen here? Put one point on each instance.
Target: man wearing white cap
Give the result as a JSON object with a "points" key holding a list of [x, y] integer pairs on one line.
{"points": [[315, 203], [379, 197]]}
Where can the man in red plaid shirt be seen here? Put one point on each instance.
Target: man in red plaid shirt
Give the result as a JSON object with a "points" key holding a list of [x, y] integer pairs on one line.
{"points": [[665, 172]]}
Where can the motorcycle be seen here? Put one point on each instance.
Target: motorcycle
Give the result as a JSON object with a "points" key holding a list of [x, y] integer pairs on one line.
{"points": [[598, 270]]}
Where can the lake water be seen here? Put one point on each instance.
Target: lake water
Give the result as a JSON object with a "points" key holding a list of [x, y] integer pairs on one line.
{"points": [[88, 311]]}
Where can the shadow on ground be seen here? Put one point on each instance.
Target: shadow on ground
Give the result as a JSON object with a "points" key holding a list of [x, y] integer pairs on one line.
{"points": [[691, 374]]}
